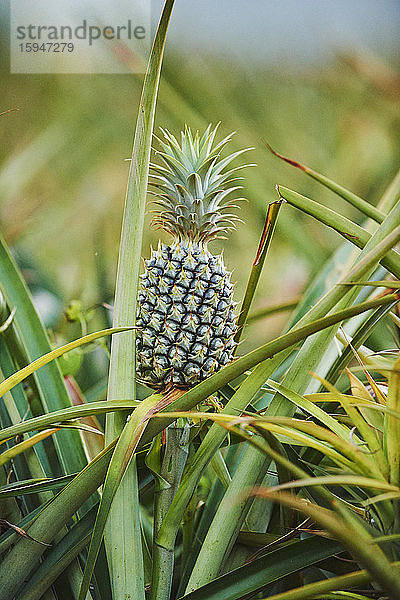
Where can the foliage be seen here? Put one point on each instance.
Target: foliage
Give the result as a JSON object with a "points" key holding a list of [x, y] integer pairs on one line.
{"points": [[278, 476]]}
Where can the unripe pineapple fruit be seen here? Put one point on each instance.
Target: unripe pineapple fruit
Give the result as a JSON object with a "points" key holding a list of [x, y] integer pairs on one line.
{"points": [[186, 319]]}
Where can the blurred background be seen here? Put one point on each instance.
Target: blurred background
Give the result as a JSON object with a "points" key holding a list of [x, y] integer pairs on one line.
{"points": [[318, 80]]}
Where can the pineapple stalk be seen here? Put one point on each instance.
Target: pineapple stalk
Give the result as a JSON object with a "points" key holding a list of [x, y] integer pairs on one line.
{"points": [[172, 465]]}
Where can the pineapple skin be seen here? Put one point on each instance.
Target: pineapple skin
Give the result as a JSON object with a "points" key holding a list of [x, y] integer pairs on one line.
{"points": [[186, 320]]}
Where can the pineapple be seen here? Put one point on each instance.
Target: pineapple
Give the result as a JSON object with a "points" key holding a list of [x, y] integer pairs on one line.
{"points": [[186, 319]]}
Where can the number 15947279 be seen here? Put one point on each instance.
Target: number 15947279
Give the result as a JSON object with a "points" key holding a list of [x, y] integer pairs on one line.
{"points": [[47, 47]]}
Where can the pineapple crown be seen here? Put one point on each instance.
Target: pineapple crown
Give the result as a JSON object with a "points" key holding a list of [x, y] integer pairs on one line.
{"points": [[193, 186]]}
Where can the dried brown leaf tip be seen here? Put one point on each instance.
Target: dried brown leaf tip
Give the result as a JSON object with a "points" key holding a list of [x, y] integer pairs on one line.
{"points": [[7, 525]]}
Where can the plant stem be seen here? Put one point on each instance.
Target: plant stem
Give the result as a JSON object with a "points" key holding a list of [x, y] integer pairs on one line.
{"points": [[173, 463]]}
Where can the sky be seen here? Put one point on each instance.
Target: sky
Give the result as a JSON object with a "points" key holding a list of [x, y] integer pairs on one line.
{"points": [[298, 32], [295, 30]]}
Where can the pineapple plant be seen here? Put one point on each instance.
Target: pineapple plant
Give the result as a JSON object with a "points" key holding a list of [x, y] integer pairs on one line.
{"points": [[186, 313]]}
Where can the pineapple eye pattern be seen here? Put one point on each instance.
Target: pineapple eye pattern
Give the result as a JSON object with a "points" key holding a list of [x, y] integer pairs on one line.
{"points": [[175, 344], [186, 314]]}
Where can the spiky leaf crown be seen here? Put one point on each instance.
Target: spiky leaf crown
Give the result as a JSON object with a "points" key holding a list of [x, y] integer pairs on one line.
{"points": [[193, 186]]}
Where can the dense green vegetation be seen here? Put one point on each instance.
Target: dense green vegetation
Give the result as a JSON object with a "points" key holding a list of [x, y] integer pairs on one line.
{"points": [[285, 463]]}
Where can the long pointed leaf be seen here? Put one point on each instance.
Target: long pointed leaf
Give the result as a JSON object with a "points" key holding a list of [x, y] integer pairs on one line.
{"points": [[50, 384], [368, 209], [121, 385], [349, 230], [266, 570], [23, 373], [256, 270], [59, 416]]}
